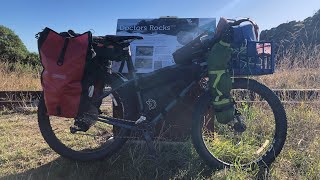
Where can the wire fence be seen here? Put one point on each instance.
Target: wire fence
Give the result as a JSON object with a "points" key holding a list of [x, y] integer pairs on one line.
{"points": [[30, 99]]}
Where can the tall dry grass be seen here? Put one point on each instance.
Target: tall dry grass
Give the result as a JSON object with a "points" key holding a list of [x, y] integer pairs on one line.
{"points": [[296, 68], [19, 77]]}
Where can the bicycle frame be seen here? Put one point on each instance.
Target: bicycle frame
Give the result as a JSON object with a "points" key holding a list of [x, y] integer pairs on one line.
{"points": [[133, 124]]}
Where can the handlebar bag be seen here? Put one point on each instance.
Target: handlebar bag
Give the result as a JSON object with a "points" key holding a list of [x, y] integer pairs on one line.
{"points": [[189, 52], [63, 58], [244, 30], [243, 33]]}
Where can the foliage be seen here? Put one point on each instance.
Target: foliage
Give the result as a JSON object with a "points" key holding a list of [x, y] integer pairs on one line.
{"points": [[32, 59], [13, 50], [11, 46]]}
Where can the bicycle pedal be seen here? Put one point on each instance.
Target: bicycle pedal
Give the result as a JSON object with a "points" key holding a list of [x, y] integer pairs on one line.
{"points": [[73, 129], [141, 120], [239, 127]]}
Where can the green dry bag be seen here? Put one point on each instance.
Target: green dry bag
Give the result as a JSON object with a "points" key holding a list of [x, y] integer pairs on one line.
{"points": [[220, 81]]}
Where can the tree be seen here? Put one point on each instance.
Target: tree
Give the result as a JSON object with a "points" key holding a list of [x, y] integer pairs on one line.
{"points": [[32, 59], [11, 47]]}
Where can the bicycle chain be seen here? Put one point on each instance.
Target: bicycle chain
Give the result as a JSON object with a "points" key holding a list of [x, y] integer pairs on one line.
{"points": [[118, 119], [139, 137]]}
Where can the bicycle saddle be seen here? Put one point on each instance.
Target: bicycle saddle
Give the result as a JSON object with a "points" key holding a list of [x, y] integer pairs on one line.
{"points": [[121, 38], [115, 38]]}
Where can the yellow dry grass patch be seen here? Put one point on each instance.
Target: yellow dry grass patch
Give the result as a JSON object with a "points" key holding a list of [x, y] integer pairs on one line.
{"points": [[21, 78], [298, 78]]}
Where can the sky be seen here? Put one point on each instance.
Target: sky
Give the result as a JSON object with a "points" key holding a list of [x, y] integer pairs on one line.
{"points": [[26, 18]]}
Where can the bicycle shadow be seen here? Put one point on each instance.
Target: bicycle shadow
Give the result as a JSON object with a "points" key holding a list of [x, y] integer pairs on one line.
{"points": [[132, 162], [175, 161]]}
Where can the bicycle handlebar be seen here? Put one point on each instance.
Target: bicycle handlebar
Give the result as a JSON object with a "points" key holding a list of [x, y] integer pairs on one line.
{"points": [[110, 38]]}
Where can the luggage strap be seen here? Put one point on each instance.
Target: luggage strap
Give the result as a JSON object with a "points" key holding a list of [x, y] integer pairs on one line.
{"points": [[121, 65], [63, 52], [219, 73]]}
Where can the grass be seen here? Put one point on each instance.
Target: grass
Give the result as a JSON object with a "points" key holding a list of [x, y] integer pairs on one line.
{"points": [[300, 157], [25, 78], [17, 77], [297, 78], [247, 146], [25, 155], [296, 69]]}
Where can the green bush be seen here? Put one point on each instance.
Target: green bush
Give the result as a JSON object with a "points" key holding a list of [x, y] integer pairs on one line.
{"points": [[32, 59], [12, 49]]}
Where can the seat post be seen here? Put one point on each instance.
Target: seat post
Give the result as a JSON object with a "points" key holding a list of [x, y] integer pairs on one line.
{"points": [[133, 75]]}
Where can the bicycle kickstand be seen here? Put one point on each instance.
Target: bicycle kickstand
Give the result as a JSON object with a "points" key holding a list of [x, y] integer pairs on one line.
{"points": [[147, 130], [151, 148]]}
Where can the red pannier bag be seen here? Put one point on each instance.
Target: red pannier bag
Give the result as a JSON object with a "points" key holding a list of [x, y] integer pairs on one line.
{"points": [[63, 58]]}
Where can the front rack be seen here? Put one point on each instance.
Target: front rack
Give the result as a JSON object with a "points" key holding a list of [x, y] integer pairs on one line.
{"points": [[255, 58]]}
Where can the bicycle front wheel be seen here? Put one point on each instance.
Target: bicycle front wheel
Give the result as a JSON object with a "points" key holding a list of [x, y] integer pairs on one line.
{"points": [[266, 128]]}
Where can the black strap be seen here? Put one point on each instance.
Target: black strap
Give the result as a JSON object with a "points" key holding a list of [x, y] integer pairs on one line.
{"points": [[122, 65], [63, 52]]}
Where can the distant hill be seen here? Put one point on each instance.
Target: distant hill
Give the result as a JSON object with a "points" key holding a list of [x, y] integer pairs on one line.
{"points": [[295, 35]]}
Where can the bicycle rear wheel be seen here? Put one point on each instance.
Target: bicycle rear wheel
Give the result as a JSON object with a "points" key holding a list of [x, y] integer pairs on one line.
{"points": [[266, 128], [98, 142]]}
